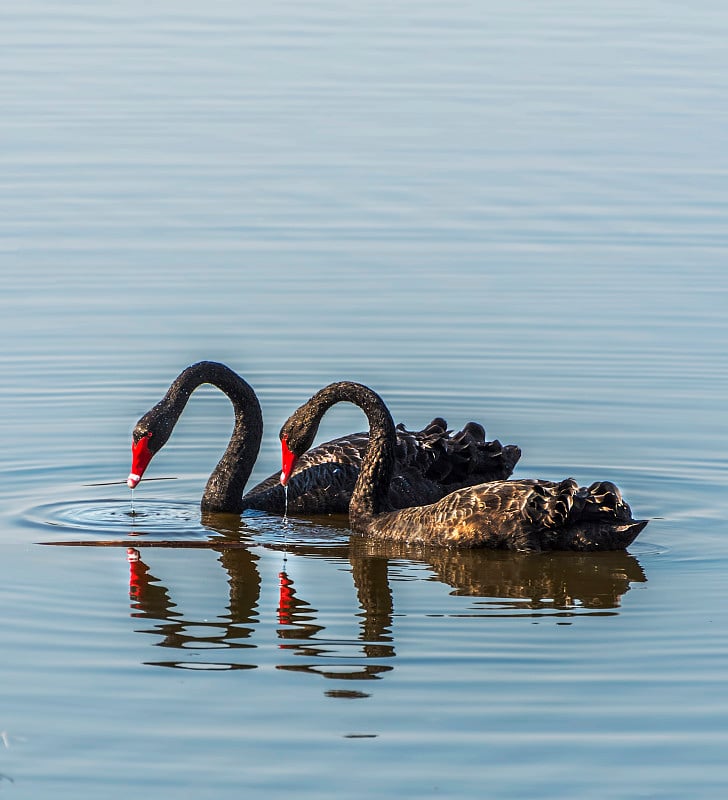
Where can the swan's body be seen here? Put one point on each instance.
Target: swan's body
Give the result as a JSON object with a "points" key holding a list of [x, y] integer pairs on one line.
{"points": [[427, 464], [525, 515]]}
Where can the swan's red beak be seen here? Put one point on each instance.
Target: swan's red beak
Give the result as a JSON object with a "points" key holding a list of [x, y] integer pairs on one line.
{"points": [[288, 462], [141, 455]]}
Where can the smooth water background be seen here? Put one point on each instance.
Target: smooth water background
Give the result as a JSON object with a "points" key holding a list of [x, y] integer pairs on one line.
{"points": [[515, 214]]}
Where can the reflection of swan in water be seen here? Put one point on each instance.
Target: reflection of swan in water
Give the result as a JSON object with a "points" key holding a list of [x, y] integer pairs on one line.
{"points": [[151, 600], [536, 582], [375, 599], [539, 580], [298, 629]]}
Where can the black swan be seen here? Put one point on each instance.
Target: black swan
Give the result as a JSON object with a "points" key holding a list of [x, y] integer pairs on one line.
{"points": [[524, 515], [427, 464]]}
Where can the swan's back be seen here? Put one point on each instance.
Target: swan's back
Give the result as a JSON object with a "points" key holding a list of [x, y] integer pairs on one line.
{"points": [[524, 515], [429, 464]]}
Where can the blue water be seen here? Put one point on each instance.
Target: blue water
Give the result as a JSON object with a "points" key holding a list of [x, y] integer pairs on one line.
{"points": [[510, 214]]}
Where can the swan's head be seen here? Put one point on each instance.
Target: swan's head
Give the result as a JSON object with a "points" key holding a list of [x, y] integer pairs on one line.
{"points": [[297, 435], [150, 435]]}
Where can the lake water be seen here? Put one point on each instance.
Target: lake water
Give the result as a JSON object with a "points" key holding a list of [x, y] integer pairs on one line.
{"points": [[510, 213]]}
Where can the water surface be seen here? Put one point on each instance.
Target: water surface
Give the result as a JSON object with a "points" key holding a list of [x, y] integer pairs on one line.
{"points": [[515, 215]]}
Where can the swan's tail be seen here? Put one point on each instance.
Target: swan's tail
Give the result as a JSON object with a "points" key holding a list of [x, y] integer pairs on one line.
{"points": [[592, 518], [464, 458]]}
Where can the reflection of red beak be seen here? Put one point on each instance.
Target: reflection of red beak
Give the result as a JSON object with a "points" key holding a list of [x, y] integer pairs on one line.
{"points": [[285, 599], [137, 569], [288, 461], [141, 455]]}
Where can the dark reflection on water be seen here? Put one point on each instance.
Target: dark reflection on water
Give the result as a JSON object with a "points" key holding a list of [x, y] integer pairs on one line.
{"points": [[535, 580], [151, 600], [502, 584]]}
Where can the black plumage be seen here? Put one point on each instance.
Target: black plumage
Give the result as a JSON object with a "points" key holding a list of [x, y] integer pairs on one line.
{"points": [[525, 515], [428, 463]]}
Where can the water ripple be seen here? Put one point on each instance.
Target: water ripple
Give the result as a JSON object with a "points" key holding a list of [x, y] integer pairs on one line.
{"points": [[175, 522], [99, 520]]}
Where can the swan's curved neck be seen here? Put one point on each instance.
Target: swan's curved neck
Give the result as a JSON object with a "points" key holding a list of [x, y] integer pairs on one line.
{"points": [[225, 486], [370, 495]]}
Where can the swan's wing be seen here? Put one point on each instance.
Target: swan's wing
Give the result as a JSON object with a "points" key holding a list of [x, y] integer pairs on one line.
{"points": [[429, 463], [487, 515], [321, 483], [464, 458], [525, 515]]}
